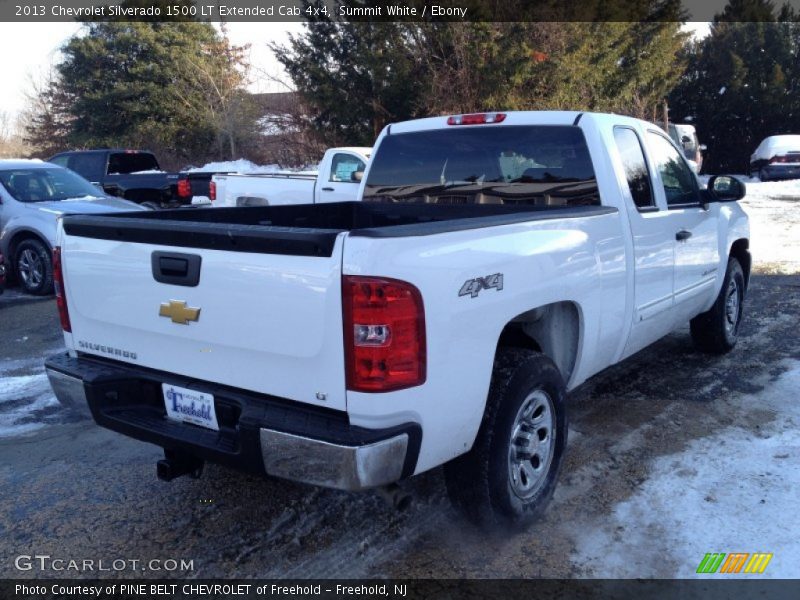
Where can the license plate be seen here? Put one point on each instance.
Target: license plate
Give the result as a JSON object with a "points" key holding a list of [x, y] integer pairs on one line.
{"points": [[190, 406]]}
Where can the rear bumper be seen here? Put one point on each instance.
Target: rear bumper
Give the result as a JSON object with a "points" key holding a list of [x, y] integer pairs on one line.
{"points": [[258, 433], [779, 172]]}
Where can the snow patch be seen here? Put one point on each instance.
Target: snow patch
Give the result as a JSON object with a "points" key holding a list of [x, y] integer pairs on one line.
{"points": [[773, 208], [21, 397], [734, 491], [14, 388], [242, 166], [21, 420], [774, 211]]}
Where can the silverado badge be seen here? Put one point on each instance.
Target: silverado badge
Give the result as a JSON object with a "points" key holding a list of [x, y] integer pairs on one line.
{"points": [[179, 312]]}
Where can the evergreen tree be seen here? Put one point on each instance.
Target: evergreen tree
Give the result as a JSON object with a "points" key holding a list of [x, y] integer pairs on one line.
{"points": [[356, 77], [742, 82], [174, 87]]}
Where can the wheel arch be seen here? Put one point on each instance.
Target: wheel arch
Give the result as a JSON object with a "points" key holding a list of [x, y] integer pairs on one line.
{"points": [[740, 250], [553, 329], [20, 236]]}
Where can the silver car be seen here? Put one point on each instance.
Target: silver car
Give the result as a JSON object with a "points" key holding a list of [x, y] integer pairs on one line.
{"points": [[32, 196]]}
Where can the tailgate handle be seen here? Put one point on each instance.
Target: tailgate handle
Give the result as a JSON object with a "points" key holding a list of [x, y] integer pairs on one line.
{"points": [[176, 268]]}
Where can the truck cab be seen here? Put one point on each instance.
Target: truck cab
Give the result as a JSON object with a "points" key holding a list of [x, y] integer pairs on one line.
{"points": [[336, 179]]}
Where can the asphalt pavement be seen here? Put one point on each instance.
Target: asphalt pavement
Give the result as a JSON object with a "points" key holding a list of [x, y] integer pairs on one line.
{"points": [[73, 491]]}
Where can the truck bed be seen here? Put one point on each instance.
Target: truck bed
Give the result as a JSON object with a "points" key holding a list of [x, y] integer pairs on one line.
{"points": [[306, 229]]}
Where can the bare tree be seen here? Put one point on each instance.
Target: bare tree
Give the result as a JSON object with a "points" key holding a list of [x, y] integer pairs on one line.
{"points": [[12, 143], [45, 122]]}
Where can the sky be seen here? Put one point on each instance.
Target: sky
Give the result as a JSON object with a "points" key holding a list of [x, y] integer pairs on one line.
{"points": [[30, 49], [35, 48]]}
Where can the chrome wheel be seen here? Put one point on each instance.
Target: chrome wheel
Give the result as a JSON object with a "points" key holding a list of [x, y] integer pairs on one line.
{"points": [[31, 268], [732, 307], [532, 444]]}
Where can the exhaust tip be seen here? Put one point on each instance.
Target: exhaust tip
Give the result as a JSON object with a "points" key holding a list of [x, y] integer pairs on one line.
{"points": [[395, 496]]}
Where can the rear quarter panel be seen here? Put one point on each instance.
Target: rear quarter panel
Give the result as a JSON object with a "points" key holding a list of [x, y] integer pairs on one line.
{"points": [[580, 260]]}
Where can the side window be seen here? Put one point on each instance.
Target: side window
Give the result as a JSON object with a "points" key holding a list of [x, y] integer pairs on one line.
{"points": [[635, 166], [61, 161], [680, 184], [90, 166], [344, 165]]}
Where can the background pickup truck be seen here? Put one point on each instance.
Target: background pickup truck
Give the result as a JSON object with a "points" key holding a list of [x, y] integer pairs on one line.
{"points": [[496, 262], [336, 180], [133, 175]]}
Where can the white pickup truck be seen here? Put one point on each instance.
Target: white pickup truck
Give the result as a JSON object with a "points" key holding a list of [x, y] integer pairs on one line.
{"points": [[496, 262], [337, 179]]}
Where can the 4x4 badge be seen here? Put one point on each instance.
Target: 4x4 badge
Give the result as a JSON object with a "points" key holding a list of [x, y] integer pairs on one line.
{"points": [[473, 287]]}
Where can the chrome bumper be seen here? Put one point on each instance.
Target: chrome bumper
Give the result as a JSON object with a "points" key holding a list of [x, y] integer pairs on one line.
{"points": [[69, 391], [286, 455], [330, 465]]}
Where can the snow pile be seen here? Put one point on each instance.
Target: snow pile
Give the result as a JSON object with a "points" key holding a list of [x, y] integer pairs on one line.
{"points": [[734, 491], [242, 166]]}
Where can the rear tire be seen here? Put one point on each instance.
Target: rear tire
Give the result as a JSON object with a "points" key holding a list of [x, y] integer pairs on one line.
{"points": [[33, 267], [762, 175], [509, 475], [716, 330]]}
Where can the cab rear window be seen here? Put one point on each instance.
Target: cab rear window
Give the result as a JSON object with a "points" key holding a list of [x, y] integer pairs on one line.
{"points": [[544, 165], [123, 163]]}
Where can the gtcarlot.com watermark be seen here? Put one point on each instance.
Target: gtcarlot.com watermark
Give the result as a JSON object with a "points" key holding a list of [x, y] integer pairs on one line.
{"points": [[46, 562]]}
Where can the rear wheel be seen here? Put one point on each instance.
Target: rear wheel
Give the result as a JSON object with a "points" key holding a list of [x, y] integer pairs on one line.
{"points": [[509, 475], [34, 267], [762, 175], [716, 330]]}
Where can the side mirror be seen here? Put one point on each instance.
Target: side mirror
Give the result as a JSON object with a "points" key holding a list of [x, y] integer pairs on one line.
{"points": [[725, 188], [357, 176]]}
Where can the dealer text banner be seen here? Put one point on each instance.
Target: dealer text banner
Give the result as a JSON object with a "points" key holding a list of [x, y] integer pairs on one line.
{"points": [[439, 589], [361, 10]]}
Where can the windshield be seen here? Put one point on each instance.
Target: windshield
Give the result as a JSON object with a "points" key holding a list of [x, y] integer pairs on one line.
{"points": [[544, 165], [41, 185]]}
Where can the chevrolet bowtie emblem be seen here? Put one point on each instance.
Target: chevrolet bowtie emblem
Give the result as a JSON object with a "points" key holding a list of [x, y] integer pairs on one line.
{"points": [[179, 312]]}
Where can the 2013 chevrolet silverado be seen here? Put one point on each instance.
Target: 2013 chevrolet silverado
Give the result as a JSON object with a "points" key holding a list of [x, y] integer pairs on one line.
{"points": [[496, 261]]}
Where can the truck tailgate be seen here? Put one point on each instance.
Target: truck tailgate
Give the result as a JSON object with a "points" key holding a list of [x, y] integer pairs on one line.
{"points": [[266, 322]]}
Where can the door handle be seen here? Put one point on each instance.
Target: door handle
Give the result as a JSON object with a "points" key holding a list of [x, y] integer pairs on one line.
{"points": [[683, 235], [176, 268], [327, 189]]}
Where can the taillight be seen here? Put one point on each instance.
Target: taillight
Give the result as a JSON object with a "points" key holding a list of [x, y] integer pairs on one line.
{"points": [[184, 188], [212, 191], [58, 285], [476, 119], [384, 334], [780, 159]]}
